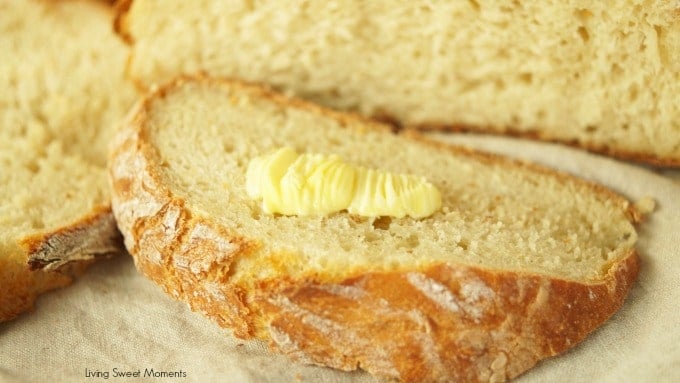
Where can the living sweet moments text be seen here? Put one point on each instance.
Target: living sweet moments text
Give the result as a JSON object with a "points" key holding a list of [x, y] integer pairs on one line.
{"points": [[118, 372]]}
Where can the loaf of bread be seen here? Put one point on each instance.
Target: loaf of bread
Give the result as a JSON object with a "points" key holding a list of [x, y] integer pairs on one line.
{"points": [[603, 75], [62, 91], [520, 262]]}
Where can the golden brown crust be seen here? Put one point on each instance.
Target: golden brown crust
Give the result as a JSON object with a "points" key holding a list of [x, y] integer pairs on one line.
{"points": [[48, 261], [121, 8], [25, 286], [454, 322], [120, 27]]}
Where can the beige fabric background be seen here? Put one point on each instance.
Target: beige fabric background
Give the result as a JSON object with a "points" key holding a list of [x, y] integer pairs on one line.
{"points": [[114, 318]]}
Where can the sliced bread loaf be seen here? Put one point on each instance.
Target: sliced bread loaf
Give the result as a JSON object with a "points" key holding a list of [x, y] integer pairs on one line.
{"points": [[62, 92], [519, 264], [603, 75]]}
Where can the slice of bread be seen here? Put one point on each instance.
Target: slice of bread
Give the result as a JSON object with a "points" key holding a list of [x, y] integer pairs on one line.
{"points": [[520, 264], [62, 92], [603, 75]]}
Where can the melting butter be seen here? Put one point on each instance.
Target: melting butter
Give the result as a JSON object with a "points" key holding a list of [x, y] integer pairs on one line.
{"points": [[314, 184]]}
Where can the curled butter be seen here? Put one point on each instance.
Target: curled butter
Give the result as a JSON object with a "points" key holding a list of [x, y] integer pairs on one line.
{"points": [[314, 184]]}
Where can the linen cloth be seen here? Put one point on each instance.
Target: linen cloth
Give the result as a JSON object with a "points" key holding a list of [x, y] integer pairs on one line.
{"points": [[113, 320]]}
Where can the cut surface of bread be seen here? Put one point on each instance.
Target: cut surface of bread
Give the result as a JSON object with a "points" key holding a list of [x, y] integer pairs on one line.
{"points": [[63, 90], [520, 263], [603, 75]]}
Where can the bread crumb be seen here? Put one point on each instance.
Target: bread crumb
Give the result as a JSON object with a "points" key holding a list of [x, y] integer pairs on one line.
{"points": [[645, 205]]}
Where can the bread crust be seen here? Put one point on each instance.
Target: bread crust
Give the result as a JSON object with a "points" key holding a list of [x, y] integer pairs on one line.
{"points": [[25, 286], [455, 322], [54, 259], [120, 27]]}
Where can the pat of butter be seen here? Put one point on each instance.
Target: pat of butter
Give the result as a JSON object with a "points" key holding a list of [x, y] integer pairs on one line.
{"points": [[314, 184]]}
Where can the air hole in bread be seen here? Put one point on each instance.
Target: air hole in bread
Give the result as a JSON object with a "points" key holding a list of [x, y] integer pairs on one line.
{"points": [[37, 223], [227, 147], [344, 244], [526, 78], [33, 167], [382, 223], [255, 214], [583, 15], [583, 33], [371, 236], [410, 242]]}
